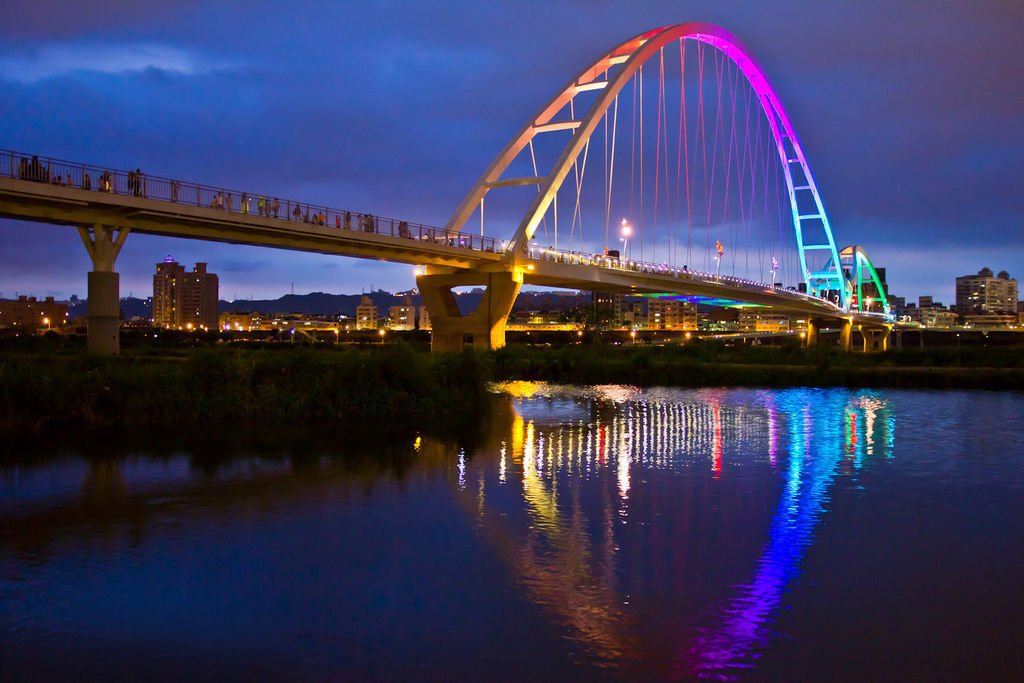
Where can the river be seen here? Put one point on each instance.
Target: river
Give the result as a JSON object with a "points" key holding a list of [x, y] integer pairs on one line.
{"points": [[605, 533]]}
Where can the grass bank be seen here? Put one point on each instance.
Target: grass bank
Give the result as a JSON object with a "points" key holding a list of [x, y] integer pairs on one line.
{"points": [[390, 387], [716, 364]]}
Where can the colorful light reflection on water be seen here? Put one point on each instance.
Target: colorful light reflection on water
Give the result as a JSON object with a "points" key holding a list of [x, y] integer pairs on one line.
{"points": [[661, 430], [586, 534]]}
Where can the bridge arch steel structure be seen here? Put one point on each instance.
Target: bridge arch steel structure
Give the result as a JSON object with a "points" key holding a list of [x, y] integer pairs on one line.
{"points": [[856, 259], [632, 55]]}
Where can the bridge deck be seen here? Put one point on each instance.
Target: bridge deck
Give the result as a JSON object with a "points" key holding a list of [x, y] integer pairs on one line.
{"points": [[85, 195], [67, 193]]}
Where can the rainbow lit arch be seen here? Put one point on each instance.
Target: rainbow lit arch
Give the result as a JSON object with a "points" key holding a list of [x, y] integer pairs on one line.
{"points": [[631, 56]]}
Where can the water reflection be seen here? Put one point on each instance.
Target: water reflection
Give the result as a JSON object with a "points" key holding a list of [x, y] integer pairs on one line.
{"points": [[630, 433], [817, 447], [656, 531]]}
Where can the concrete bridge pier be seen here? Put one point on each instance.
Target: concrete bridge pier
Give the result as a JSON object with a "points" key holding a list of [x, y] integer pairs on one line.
{"points": [[103, 242], [813, 332], [875, 339], [845, 334], [486, 324]]}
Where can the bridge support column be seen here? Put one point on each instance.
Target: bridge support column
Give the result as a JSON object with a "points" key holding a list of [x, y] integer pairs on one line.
{"points": [[876, 339], [845, 334], [104, 319], [486, 324], [813, 332]]}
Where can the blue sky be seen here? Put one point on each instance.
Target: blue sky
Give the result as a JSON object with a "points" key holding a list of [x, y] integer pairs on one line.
{"points": [[910, 113]]}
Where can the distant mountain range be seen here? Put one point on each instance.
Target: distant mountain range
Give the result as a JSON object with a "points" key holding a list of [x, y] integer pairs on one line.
{"points": [[322, 303]]}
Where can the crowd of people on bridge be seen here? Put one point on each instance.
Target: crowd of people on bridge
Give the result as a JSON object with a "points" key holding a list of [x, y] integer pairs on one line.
{"points": [[135, 183]]}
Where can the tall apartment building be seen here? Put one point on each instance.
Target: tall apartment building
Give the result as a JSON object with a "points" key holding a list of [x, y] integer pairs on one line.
{"points": [[366, 314], [670, 314], [182, 298], [985, 293], [403, 316]]}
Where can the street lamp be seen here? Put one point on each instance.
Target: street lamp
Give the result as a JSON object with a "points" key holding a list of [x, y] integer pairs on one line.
{"points": [[627, 231]]}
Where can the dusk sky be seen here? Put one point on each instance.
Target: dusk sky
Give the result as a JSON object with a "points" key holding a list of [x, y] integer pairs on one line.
{"points": [[911, 113]]}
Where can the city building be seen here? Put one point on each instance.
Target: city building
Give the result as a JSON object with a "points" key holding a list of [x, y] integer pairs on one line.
{"points": [[671, 314], [366, 314], [986, 293], [184, 299], [424, 318], [937, 317], [761, 320], [991, 320], [608, 307], [633, 315], [28, 313], [403, 316], [721, 320], [240, 322]]}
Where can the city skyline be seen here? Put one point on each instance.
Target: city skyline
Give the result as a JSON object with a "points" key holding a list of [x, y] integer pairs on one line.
{"points": [[411, 117]]}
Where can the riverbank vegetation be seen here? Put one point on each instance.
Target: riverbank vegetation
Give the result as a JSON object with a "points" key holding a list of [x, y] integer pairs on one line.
{"points": [[722, 364], [391, 387], [397, 388]]}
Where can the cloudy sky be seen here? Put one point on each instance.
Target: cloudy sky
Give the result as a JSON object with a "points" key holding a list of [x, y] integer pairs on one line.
{"points": [[911, 113]]}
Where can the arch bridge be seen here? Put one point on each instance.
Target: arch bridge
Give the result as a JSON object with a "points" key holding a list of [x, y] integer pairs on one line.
{"points": [[599, 118]]}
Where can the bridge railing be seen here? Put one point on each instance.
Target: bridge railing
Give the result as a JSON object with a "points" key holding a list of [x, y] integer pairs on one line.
{"points": [[40, 169], [684, 273]]}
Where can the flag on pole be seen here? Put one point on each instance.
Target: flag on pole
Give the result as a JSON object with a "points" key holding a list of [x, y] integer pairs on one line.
{"points": [[719, 248]]}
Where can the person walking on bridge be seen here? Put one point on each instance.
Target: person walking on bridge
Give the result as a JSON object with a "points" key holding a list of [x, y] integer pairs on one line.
{"points": [[276, 206]]}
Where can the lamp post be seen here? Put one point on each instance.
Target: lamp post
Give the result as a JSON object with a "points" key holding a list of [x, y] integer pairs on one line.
{"points": [[627, 231]]}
